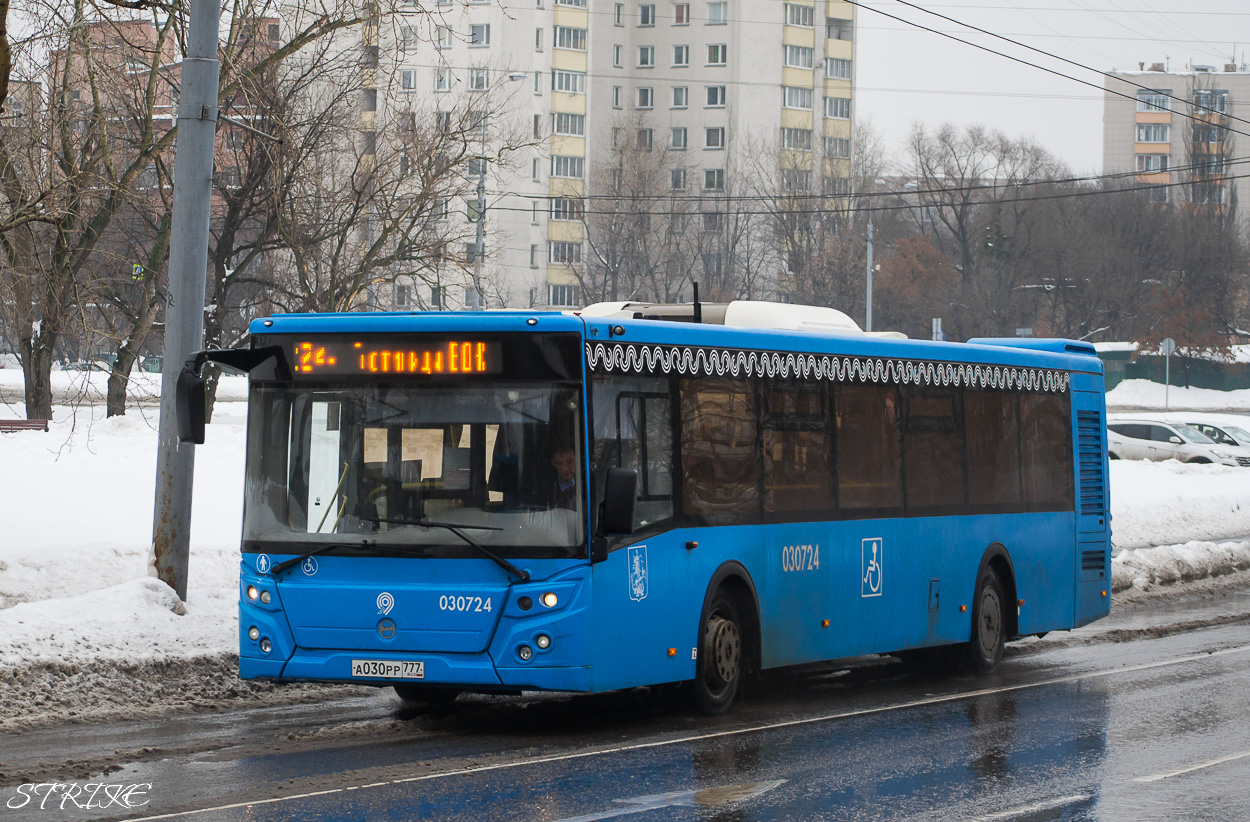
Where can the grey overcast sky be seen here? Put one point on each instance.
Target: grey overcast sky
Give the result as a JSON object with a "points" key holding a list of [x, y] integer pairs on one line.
{"points": [[905, 75]]}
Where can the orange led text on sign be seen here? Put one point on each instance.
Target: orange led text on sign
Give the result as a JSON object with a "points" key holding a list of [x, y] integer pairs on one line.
{"points": [[307, 356], [458, 358]]}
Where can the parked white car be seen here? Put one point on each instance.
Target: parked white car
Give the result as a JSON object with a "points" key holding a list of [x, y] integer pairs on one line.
{"points": [[1143, 438], [1225, 429]]}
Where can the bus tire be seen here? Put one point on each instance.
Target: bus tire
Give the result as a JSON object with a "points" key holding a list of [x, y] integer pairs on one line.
{"points": [[989, 624], [718, 672], [425, 695]]}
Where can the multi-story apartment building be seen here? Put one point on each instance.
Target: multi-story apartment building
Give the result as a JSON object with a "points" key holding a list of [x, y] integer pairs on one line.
{"points": [[1170, 128], [701, 83]]}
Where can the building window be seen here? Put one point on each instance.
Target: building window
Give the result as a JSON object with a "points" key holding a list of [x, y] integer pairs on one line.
{"points": [[479, 79], [681, 96], [562, 295], [717, 54], [403, 295], [1153, 133], [646, 97], [533, 256], [436, 298], [796, 179], [442, 121], [409, 36], [681, 56], [712, 221], [569, 82], [442, 79], [799, 57], [538, 83], [1157, 194], [616, 96], [538, 39], [407, 80], [1148, 100], [713, 265], [800, 15], [616, 56], [535, 169], [570, 38], [796, 139], [572, 168], [577, 4], [715, 96], [796, 97], [714, 137], [618, 14], [443, 38], [1152, 162], [369, 99], [479, 35], [838, 29], [477, 166], [442, 209], [567, 208], [1205, 134], [646, 15], [835, 67], [646, 57], [838, 107], [681, 14], [838, 148], [564, 252], [713, 179], [836, 186], [677, 142], [677, 176], [1211, 99], [717, 14], [645, 139], [573, 125]]}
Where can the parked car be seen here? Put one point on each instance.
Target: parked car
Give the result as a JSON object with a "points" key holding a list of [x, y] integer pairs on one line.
{"points": [[1225, 429], [1138, 438]]}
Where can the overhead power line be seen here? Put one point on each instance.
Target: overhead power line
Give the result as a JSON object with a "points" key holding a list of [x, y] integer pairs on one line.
{"points": [[1055, 72]]}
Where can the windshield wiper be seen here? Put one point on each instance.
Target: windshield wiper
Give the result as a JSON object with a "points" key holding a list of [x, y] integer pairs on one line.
{"points": [[522, 575], [321, 549]]}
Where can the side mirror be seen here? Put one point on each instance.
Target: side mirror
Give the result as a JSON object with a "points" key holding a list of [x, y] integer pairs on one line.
{"points": [[190, 406], [620, 499], [1175, 440]]}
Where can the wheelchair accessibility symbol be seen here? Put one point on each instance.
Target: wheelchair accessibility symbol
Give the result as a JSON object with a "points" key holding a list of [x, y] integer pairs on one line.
{"points": [[873, 552]]}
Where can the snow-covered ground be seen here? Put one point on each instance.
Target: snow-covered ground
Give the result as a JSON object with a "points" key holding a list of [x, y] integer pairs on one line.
{"points": [[84, 629], [1144, 395]]}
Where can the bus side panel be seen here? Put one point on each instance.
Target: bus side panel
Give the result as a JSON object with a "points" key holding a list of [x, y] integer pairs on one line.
{"points": [[1092, 559]]}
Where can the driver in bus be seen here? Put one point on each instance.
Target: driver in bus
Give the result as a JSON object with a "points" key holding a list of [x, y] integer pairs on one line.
{"points": [[563, 491]]}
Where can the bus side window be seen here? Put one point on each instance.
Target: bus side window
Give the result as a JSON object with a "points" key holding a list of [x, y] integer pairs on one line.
{"points": [[633, 428], [933, 448], [1046, 426], [798, 472], [867, 419], [992, 434], [719, 451]]}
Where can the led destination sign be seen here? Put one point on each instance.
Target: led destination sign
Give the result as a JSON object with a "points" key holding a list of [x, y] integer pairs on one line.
{"points": [[400, 358]]}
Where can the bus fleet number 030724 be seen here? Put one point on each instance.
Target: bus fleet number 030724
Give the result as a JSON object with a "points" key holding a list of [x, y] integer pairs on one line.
{"points": [[800, 558]]}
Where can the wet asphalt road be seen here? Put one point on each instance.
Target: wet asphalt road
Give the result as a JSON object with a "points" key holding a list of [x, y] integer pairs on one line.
{"points": [[1143, 717]]}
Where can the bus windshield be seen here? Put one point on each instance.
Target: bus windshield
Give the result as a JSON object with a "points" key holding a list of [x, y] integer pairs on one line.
{"points": [[369, 462]]}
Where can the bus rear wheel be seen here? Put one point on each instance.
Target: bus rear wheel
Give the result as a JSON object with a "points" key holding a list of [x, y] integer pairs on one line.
{"points": [[718, 672], [989, 624]]}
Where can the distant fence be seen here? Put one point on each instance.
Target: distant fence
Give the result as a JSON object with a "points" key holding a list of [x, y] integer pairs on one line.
{"points": [[1188, 372]]}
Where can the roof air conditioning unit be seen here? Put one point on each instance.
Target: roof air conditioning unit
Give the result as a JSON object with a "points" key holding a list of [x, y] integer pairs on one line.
{"points": [[1156, 67], [1230, 67]]}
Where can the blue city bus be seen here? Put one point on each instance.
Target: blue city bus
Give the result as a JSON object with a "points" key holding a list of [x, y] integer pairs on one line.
{"points": [[635, 494]]}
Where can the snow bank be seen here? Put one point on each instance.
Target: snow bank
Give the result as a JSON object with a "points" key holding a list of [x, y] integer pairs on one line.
{"points": [[1165, 503], [84, 388], [1144, 395], [1149, 568]]}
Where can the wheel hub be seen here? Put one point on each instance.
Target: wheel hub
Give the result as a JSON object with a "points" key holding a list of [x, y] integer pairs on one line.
{"points": [[990, 622], [723, 650]]}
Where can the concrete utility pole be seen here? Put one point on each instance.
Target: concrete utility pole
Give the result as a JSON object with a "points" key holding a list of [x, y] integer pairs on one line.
{"points": [[188, 264], [868, 303]]}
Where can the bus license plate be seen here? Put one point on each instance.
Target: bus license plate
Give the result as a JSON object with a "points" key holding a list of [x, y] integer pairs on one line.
{"points": [[388, 669]]}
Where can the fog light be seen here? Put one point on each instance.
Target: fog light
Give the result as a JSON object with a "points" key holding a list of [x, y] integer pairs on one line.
{"points": [[264, 597], [525, 652], [252, 593], [525, 603], [265, 646], [542, 641], [253, 633], [550, 600]]}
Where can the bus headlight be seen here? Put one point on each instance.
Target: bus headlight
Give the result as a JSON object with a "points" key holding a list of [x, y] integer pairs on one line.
{"points": [[265, 646], [550, 599], [264, 597], [525, 652], [253, 633], [252, 593], [542, 641]]}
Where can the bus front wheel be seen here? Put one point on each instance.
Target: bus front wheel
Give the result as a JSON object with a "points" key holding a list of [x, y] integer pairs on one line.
{"points": [[718, 672], [989, 624]]}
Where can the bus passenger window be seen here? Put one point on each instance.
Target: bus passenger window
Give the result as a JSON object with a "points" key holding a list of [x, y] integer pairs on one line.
{"points": [[992, 434], [1046, 427], [798, 474], [719, 450], [868, 446], [633, 428], [933, 448]]}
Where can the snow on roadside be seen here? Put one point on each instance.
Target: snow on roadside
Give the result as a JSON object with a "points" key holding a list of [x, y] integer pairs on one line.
{"points": [[1147, 569], [1167, 503], [1144, 395]]}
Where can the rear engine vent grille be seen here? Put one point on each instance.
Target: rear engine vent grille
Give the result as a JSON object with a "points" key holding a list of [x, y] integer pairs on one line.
{"points": [[1091, 456], [1093, 560]]}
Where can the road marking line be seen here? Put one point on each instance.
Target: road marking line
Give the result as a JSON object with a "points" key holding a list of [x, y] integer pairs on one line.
{"points": [[1039, 806], [1209, 763], [792, 723]]}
